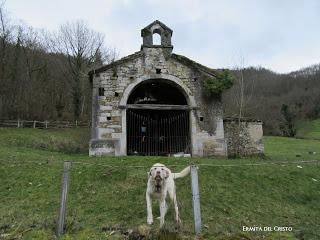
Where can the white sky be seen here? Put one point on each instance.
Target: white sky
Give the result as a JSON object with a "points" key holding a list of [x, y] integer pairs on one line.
{"points": [[280, 35]]}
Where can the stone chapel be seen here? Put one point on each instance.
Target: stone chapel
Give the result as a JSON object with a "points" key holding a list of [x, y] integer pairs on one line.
{"points": [[152, 103]]}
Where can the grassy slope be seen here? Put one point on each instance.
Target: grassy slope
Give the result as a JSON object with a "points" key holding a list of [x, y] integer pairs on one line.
{"points": [[102, 196], [309, 129]]}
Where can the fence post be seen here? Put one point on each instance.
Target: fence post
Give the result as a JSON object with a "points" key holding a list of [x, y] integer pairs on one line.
{"points": [[63, 197], [195, 199], [18, 123], [46, 123], [76, 123], [34, 124]]}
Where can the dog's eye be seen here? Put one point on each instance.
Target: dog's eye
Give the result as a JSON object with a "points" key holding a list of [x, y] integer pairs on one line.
{"points": [[161, 168]]}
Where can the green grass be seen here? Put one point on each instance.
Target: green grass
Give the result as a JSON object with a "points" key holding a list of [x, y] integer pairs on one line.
{"points": [[106, 201], [60, 140], [309, 129]]}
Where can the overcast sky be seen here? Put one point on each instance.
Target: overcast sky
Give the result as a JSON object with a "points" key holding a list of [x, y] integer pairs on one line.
{"points": [[282, 35]]}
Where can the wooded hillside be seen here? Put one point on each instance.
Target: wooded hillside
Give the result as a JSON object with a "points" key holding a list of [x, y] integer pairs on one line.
{"points": [[43, 76], [279, 100]]}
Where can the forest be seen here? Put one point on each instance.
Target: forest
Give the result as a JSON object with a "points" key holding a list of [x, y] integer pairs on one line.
{"points": [[281, 101], [44, 76]]}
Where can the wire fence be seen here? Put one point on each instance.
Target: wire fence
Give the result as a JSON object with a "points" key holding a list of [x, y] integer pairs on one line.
{"points": [[284, 163], [90, 199], [43, 124]]}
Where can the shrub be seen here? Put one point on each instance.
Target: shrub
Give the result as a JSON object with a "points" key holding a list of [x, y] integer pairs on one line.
{"points": [[223, 80]]}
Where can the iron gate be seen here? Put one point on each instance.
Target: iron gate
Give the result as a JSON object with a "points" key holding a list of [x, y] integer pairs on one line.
{"points": [[157, 132]]}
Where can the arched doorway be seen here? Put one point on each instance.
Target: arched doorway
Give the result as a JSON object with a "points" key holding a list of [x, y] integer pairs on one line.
{"points": [[157, 119]]}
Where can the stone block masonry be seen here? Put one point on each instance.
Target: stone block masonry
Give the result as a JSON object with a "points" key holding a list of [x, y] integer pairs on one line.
{"points": [[243, 139], [134, 77]]}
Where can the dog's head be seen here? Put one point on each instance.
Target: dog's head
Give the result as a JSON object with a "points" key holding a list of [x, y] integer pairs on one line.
{"points": [[159, 172]]}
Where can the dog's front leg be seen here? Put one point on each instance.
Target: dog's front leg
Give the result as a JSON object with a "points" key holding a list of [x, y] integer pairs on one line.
{"points": [[172, 195], [163, 210], [149, 209]]}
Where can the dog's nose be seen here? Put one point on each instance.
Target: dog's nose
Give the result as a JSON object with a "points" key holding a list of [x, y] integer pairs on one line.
{"points": [[158, 172]]}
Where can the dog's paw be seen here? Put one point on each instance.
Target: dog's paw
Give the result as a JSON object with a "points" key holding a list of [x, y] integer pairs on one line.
{"points": [[149, 221]]}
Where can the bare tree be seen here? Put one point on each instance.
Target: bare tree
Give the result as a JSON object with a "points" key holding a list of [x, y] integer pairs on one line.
{"points": [[84, 49], [244, 91], [5, 34], [240, 97]]}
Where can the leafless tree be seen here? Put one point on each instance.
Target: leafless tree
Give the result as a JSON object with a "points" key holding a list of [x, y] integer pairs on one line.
{"points": [[5, 34], [238, 101], [84, 49]]}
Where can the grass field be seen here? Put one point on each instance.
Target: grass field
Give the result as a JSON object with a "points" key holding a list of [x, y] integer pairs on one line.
{"points": [[309, 129], [107, 201]]}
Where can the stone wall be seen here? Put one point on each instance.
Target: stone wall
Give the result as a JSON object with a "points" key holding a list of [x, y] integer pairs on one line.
{"points": [[112, 85], [109, 110], [247, 141]]}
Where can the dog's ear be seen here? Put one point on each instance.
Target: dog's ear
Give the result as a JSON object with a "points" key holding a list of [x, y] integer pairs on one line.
{"points": [[167, 173]]}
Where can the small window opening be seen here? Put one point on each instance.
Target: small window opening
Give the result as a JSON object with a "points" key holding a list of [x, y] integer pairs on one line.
{"points": [[116, 94], [101, 91], [108, 118], [201, 119], [156, 39], [158, 70], [195, 79], [114, 73]]}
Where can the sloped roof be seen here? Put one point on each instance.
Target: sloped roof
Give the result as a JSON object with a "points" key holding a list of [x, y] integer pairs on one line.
{"points": [[115, 63], [179, 58], [154, 23], [190, 63]]}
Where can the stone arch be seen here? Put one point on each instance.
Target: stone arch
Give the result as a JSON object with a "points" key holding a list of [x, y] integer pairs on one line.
{"points": [[156, 38], [157, 33], [171, 79]]}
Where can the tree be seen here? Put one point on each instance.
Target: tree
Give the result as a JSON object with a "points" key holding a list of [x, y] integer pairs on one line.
{"points": [[44, 75], [288, 126], [5, 37], [240, 96], [84, 49], [6, 33]]}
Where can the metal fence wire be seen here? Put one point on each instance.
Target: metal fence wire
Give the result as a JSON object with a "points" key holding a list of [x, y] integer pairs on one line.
{"points": [[43, 124], [92, 191]]}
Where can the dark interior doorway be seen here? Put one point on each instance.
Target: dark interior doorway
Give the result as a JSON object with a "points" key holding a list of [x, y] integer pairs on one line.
{"points": [[157, 132], [157, 92], [157, 120]]}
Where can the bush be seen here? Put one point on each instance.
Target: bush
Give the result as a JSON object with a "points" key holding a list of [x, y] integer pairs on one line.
{"points": [[216, 85]]}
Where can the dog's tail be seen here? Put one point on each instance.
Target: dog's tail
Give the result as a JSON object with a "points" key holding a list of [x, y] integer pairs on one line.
{"points": [[182, 174]]}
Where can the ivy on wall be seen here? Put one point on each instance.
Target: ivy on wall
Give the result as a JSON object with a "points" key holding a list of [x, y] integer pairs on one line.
{"points": [[222, 80]]}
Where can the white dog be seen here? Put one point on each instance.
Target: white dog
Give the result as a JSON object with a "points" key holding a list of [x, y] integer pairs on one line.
{"points": [[161, 182]]}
